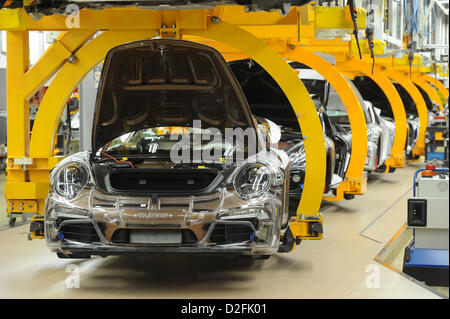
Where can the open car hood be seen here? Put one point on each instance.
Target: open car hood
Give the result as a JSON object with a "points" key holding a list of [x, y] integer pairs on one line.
{"points": [[162, 82], [263, 94]]}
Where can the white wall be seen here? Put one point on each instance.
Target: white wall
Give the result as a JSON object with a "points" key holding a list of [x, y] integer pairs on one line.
{"points": [[38, 45], [2, 49]]}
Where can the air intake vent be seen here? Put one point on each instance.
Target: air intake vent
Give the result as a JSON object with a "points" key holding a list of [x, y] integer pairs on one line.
{"points": [[141, 181], [79, 231], [232, 233]]}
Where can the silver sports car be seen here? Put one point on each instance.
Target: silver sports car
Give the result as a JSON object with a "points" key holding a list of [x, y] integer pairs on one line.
{"points": [[161, 177]]}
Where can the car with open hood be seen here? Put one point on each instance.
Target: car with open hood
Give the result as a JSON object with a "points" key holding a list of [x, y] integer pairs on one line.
{"points": [[178, 162]]}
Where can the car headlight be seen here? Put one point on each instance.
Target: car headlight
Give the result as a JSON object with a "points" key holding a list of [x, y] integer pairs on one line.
{"points": [[253, 180], [297, 157], [71, 179]]}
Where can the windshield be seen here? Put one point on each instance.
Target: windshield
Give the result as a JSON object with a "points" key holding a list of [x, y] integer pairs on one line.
{"points": [[315, 87], [337, 111]]}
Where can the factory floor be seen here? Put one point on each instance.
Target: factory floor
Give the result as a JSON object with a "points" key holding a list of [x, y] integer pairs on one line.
{"points": [[341, 265]]}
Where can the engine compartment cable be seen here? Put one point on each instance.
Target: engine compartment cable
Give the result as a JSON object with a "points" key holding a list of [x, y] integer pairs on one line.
{"points": [[117, 161]]}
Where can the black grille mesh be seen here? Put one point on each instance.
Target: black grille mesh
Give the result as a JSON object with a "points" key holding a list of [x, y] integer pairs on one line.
{"points": [[81, 232], [232, 233]]}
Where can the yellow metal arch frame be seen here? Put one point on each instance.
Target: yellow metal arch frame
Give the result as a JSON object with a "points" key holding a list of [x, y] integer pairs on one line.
{"points": [[86, 57], [66, 80], [397, 157], [403, 79], [438, 84], [355, 182], [432, 94]]}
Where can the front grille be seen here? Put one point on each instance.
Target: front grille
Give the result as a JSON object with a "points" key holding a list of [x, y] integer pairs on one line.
{"points": [[76, 231], [162, 181], [225, 233]]}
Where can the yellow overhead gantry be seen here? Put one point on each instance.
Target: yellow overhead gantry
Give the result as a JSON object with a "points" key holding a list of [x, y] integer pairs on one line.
{"points": [[75, 52]]}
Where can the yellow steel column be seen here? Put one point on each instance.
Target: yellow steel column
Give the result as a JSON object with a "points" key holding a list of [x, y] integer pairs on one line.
{"points": [[355, 182], [298, 96], [18, 116], [18, 111], [403, 79], [432, 94], [397, 157]]}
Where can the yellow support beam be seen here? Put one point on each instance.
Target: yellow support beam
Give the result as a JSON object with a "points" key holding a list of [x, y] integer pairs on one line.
{"points": [[18, 111], [424, 85], [355, 182], [132, 18], [338, 18], [13, 19], [403, 79], [397, 157], [262, 24], [379, 48], [54, 57], [29, 190], [438, 84], [426, 69], [404, 61]]}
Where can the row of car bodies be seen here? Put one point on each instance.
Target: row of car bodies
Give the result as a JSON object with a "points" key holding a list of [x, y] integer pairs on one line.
{"points": [[152, 183]]}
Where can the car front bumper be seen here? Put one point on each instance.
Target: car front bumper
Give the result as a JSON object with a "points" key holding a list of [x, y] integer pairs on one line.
{"points": [[217, 223]]}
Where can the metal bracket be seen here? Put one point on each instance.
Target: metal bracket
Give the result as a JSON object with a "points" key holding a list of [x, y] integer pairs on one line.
{"points": [[307, 227], [23, 161], [36, 228]]}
